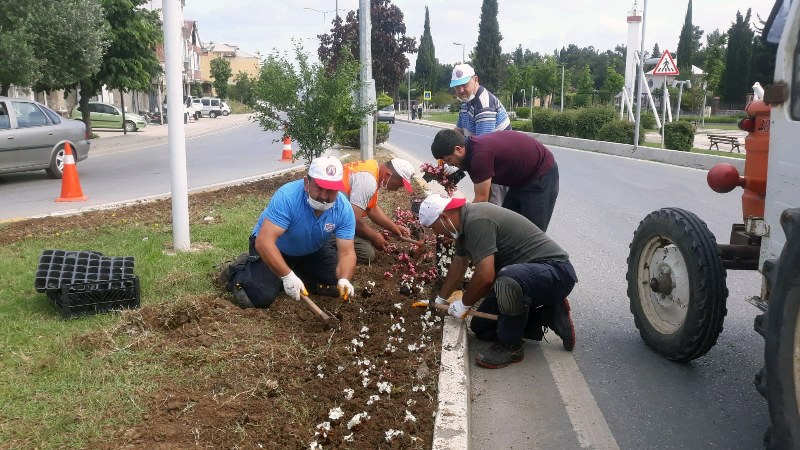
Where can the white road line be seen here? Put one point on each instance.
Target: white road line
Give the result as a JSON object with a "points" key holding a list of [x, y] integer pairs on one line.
{"points": [[587, 420]]}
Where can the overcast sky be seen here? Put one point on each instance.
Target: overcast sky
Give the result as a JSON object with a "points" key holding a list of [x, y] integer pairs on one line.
{"points": [[259, 25]]}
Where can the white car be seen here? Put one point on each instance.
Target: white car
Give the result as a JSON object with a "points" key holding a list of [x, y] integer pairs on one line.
{"points": [[225, 109], [386, 114]]}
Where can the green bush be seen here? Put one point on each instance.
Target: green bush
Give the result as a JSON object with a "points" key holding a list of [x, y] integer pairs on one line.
{"points": [[563, 123], [455, 106], [715, 119], [620, 131], [590, 120], [523, 113], [679, 136], [648, 120], [542, 121], [521, 125], [352, 137]]}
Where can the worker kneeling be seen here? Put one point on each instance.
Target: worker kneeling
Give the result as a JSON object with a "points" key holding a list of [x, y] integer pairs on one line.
{"points": [[523, 274], [292, 245]]}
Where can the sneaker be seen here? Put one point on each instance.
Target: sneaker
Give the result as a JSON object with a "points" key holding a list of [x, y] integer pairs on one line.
{"points": [[500, 355], [561, 324]]}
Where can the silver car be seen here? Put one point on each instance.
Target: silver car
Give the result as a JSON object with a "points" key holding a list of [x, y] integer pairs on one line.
{"points": [[32, 137]]}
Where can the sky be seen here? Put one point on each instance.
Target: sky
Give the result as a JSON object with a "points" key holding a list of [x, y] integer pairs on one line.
{"points": [[266, 25]]}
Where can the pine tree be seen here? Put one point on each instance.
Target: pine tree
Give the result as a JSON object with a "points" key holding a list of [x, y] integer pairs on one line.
{"points": [[488, 61], [685, 44], [738, 58], [656, 51], [425, 70]]}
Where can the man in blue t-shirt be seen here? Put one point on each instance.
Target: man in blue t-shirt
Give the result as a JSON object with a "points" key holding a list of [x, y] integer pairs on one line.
{"points": [[292, 246]]}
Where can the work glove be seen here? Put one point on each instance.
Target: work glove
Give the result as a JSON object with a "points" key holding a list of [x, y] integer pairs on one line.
{"points": [[293, 286], [441, 301], [449, 170], [346, 289], [458, 309]]}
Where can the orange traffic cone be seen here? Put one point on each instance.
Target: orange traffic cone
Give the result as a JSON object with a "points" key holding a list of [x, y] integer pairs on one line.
{"points": [[70, 184], [287, 149]]}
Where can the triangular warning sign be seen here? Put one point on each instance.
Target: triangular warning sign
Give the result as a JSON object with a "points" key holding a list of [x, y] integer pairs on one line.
{"points": [[666, 65]]}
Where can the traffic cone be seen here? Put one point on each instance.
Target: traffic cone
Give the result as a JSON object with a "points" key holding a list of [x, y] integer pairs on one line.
{"points": [[70, 184], [287, 149]]}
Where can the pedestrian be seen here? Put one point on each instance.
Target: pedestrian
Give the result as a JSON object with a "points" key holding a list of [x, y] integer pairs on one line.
{"points": [[509, 158], [521, 273], [362, 182], [301, 243], [481, 113], [413, 111], [419, 112]]}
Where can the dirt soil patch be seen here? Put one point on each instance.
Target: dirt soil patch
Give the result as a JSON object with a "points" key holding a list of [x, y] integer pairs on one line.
{"points": [[274, 378]]}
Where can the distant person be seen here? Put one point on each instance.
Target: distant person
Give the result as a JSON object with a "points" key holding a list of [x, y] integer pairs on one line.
{"points": [[419, 112], [413, 112], [481, 113], [362, 182], [521, 274], [509, 158], [291, 245]]}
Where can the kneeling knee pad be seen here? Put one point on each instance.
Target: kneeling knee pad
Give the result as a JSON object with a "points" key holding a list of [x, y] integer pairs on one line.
{"points": [[509, 296]]}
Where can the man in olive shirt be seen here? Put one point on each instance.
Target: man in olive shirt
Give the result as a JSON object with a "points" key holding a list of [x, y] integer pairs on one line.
{"points": [[517, 269]]}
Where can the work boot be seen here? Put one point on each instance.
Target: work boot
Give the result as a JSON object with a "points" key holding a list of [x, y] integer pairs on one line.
{"points": [[561, 324], [500, 355]]}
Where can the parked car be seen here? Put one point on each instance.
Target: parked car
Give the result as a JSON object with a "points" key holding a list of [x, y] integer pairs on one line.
{"points": [[208, 106], [32, 137], [225, 108], [106, 115], [386, 114]]}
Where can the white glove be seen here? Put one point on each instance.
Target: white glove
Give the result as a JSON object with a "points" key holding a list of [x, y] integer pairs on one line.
{"points": [[346, 289], [293, 286], [458, 309], [449, 170], [441, 301]]}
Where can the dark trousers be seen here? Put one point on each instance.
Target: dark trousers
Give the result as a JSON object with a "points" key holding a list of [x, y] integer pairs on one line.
{"points": [[543, 284], [317, 270], [537, 199]]}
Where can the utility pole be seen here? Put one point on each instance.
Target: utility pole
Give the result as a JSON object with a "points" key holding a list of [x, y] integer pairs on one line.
{"points": [[368, 84], [641, 80], [562, 88]]}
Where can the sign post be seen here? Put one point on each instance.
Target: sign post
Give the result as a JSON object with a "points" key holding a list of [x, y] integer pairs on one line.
{"points": [[665, 67]]}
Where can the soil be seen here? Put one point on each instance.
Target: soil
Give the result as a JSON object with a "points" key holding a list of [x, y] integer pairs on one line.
{"points": [[272, 378]]}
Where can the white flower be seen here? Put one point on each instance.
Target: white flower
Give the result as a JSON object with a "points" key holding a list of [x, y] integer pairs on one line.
{"points": [[385, 387], [348, 394], [364, 329], [411, 402], [371, 283], [315, 446], [398, 305], [420, 388], [410, 417], [373, 399], [357, 419], [335, 413], [391, 434], [364, 362], [413, 347], [365, 382], [320, 375], [348, 438], [339, 368]]}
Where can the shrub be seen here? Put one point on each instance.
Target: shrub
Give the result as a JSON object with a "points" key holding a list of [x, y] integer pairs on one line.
{"points": [[455, 106], [590, 120], [523, 113], [679, 136], [620, 131], [563, 123], [542, 121], [648, 120], [352, 137], [521, 125]]}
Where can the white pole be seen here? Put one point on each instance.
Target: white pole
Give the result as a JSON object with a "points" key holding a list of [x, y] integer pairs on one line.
{"points": [[368, 88], [669, 105], [531, 102], [562, 88], [664, 108], [641, 79], [409, 91], [678, 109], [173, 26], [703, 113]]}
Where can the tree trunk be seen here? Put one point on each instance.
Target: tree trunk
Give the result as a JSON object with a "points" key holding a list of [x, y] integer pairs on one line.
{"points": [[83, 100], [4, 88]]}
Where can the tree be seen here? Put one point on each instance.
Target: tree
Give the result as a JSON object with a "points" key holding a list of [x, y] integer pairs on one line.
{"points": [[614, 81], [40, 47], [585, 86], [242, 89], [488, 60], [307, 101], [656, 51], [763, 68], [130, 63], [221, 72], [716, 45], [389, 44], [425, 69], [685, 44], [736, 83]]}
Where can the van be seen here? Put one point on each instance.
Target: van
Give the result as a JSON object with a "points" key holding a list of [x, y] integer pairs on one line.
{"points": [[210, 106]]}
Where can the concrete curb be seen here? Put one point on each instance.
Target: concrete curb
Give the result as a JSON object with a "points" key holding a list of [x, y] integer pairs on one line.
{"points": [[452, 424]]}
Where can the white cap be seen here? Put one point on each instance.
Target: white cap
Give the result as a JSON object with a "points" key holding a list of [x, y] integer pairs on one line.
{"points": [[405, 170], [434, 205], [327, 172], [462, 73]]}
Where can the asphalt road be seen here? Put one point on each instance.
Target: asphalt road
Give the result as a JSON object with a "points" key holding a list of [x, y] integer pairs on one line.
{"points": [[613, 390]]}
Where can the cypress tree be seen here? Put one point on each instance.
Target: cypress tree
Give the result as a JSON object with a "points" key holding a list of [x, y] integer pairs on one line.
{"points": [[735, 80], [425, 70], [685, 44], [488, 61]]}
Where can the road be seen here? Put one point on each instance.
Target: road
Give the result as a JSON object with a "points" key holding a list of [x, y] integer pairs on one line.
{"points": [[645, 400], [612, 391]]}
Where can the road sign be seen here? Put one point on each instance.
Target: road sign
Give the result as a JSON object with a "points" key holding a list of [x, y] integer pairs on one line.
{"points": [[426, 95], [666, 65]]}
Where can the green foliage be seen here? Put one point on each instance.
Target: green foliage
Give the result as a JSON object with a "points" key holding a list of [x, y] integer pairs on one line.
{"points": [[716, 48], [384, 100], [488, 61], [221, 72], [425, 70], [679, 136], [620, 131], [307, 101], [614, 81], [521, 125], [195, 89], [590, 120], [523, 113], [352, 137], [242, 88], [455, 106], [648, 120], [684, 54], [542, 121], [738, 55], [442, 98], [564, 122], [585, 86]]}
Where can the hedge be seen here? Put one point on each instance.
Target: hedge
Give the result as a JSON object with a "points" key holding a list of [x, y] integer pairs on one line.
{"points": [[590, 120], [620, 131], [679, 136], [352, 138]]}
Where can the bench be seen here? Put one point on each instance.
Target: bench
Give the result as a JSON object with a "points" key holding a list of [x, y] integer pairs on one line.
{"points": [[717, 139]]}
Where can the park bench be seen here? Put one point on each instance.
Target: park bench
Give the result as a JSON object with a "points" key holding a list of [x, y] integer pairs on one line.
{"points": [[717, 139]]}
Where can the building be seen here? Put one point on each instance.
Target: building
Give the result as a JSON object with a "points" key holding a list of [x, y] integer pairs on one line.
{"points": [[240, 61]]}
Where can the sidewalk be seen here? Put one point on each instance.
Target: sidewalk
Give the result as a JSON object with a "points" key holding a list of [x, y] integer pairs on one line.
{"points": [[701, 140]]}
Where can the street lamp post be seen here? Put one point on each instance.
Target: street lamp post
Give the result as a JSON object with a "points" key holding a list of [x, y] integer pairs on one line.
{"points": [[324, 12], [523, 97], [562, 88], [462, 51], [409, 93]]}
